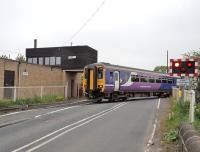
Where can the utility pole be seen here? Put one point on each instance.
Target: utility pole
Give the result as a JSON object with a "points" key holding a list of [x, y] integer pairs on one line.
{"points": [[167, 63]]}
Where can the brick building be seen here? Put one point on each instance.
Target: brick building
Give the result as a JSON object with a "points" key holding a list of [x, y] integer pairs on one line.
{"points": [[14, 73], [46, 67]]}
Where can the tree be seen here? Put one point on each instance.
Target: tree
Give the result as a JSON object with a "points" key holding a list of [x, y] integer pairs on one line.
{"points": [[4, 57], [161, 69], [21, 58]]}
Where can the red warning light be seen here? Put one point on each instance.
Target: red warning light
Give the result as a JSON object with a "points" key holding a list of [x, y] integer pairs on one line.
{"points": [[189, 64]]}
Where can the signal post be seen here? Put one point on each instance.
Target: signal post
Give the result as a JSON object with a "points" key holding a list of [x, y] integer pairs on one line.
{"points": [[185, 69]]}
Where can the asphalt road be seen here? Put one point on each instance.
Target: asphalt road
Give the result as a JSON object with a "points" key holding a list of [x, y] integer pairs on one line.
{"points": [[106, 127]]}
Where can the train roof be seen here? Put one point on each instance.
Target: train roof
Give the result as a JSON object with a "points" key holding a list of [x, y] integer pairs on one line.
{"points": [[130, 68]]}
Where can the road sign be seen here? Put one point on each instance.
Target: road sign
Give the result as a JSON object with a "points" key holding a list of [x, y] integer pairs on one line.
{"points": [[183, 82]]}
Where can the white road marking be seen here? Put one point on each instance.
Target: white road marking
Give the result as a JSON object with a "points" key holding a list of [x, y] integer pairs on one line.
{"points": [[65, 132], [158, 106], [55, 111], [78, 122], [150, 142], [15, 113]]}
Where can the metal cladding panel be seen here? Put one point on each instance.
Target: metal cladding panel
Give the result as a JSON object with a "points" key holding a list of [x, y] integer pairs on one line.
{"points": [[138, 86], [74, 57]]}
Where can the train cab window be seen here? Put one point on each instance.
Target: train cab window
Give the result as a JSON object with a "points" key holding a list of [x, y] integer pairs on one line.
{"points": [[151, 80], [143, 79], [135, 78], [164, 80], [158, 80], [100, 73]]}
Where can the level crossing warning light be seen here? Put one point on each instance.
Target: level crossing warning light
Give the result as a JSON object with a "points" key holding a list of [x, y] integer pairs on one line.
{"points": [[187, 67]]}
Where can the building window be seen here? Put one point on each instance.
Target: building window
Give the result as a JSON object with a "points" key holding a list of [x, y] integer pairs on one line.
{"points": [[71, 57], [46, 60], [34, 60], [58, 60], [40, 61], [52, 61], [30, 60]]}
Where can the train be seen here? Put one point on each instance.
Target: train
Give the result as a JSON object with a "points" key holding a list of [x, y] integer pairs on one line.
{"points": [[114, 82]]}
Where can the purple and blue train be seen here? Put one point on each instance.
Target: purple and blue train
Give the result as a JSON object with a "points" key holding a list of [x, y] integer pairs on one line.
{"points": [[114, 82]]}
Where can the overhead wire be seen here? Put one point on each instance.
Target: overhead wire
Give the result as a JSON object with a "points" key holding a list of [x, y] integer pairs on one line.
{"points": [[87, 21]]}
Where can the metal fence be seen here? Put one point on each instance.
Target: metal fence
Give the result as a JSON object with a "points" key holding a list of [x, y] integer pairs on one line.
{"points": [[21, 92], [186, 96]]}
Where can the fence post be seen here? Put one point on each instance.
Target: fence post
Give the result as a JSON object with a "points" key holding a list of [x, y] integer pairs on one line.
{"points": [[78, 90], [15, 93], [41, 92], [192, 103], [66, 91]]}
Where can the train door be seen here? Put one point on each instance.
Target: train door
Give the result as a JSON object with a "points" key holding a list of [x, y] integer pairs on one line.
{"points": [[116, 80], [91, 79]]}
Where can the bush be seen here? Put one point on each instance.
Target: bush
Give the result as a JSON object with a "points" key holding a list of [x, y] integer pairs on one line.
{"points": [[59, 98], [178, 113], [197, 111], [171, 135], [29, 101]]}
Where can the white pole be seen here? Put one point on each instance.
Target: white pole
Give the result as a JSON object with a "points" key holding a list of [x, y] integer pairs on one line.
{"points": [[15, 93], [66, 91], [192, 103], [41, 92], [78, 90]]}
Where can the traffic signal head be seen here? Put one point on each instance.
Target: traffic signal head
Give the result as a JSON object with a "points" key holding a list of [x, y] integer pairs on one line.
{"points": [[184, 67]]}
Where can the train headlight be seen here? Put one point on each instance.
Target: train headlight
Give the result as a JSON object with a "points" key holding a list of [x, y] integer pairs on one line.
{"points": [[100, 86]]}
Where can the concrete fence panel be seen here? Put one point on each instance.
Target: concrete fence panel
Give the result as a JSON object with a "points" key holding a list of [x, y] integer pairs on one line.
{"points": [[189, 138]]}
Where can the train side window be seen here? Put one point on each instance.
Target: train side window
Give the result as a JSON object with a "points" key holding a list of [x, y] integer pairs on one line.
{"points": [[116, 77], [100, 73], [143, 79], [158, 80], [135, 78], [111, 76], [170, 81], [164, 80], [151, 80]]}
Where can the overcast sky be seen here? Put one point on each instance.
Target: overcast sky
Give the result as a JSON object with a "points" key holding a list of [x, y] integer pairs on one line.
{"points": [[134, 33]]}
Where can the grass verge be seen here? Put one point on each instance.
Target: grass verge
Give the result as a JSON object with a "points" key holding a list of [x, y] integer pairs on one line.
{"points": [[178, 113], [31, 101]]}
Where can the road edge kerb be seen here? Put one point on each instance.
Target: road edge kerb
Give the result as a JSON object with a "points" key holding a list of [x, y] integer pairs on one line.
{"points": [[151, 137], [36, 106]]}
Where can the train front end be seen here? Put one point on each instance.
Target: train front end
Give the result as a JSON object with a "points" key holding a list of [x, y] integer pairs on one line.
{"points": [[94, 81]]}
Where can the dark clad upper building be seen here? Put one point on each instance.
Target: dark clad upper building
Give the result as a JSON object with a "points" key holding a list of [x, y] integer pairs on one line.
{"points": [[67, 57]]}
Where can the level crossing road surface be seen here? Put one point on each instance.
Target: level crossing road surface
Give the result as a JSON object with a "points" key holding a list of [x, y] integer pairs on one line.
{"points": [[105, 127]]}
